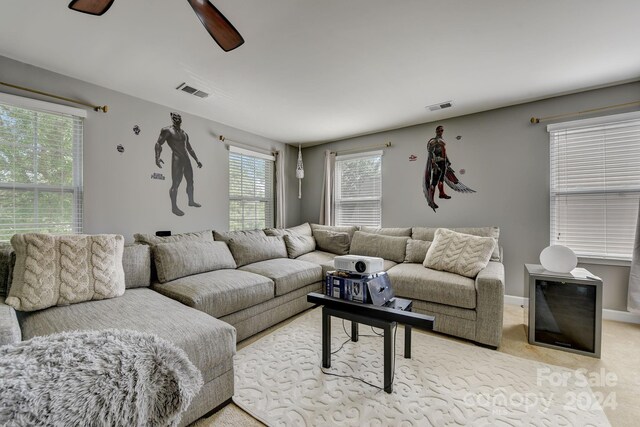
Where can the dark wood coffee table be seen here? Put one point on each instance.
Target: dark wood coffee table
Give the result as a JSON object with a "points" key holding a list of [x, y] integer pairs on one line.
{"points": [[385, 318]]}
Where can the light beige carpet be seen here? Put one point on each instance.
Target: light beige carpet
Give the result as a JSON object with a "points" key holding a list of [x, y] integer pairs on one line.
{"points": [[278, 380], [620, 349]]}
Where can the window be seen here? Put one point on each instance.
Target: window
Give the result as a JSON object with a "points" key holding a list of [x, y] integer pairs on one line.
{"points": [[40, 167], [595, 185], [358, 189], [250, 189]]}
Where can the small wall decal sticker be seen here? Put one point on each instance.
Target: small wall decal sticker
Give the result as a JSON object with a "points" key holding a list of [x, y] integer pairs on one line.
{"points": [[178, 141], [120, 148], [157, 175], [438, 171], [136, 130], [413, 158]]}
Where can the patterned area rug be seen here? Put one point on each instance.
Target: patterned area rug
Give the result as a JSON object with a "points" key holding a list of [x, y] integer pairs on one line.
{"points": [[279, 380]]}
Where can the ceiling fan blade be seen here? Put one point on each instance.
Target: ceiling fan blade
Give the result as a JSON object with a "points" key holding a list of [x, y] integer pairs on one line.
{"points": [[92, 7], [227, 37]]}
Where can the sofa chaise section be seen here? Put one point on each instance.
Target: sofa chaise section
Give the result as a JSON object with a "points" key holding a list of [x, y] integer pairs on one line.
{"points": [[208, 342]]}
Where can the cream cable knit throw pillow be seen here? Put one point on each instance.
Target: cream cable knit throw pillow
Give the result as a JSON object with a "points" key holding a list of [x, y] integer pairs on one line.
{"points": [[459, 253], [65, 269]]}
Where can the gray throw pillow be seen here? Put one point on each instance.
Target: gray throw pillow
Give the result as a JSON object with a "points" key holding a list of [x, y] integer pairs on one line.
{"points": [[332, 241], [416, 251], [299, 245], [249, 250], [225, 236], [459, 253], [179, 259], [392, 248], [349, 229], [302, 230], [65, 269], [388, 231]]}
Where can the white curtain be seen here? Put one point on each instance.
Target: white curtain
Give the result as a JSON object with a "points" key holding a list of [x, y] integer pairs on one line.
{"points": [[633, 298], [280, 197], [326, 203]]}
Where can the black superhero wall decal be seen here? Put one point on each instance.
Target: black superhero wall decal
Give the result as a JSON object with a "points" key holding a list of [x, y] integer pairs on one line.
{"points": [[438, 171], [178, 140]]}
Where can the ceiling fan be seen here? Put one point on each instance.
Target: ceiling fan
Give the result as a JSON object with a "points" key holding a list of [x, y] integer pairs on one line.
{"points": [[219, 27]]}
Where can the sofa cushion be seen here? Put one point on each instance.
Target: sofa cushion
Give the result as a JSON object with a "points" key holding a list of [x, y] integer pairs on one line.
{"points": [[416, 250], [317, 257], [392, 248], [151, 239], [65, 269], [9, 327], [179, 259], [287, 274], [414, 281], [428, 233], [249, 250], [388, 231], [219, 292], [299, 245], [349, 229], [136, 263], [332, 241], [302, 229], [225, 236], [459, 253], [209, 342]]}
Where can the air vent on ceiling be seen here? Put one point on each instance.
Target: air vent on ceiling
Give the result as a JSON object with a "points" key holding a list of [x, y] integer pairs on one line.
{"points": [[192, 90], [440, 106]]}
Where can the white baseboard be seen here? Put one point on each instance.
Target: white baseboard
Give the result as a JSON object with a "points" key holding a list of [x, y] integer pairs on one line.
{"points": [[620, 316], [617, 315], [511, 300]]}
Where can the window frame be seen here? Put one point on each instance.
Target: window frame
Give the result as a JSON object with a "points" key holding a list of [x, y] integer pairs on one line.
{"points": [[77, 186], [337, 193], [610, 120], [270, 201]]}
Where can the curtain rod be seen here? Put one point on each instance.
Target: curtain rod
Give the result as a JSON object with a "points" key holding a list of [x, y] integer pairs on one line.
{"points": [[103, 108], [359, 149], [536, 120], [222, 139]]}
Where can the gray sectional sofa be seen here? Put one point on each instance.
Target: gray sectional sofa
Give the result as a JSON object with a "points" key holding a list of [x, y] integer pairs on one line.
{"points": [[205, 291]]}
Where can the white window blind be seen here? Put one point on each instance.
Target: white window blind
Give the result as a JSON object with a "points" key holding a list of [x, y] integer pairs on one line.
{"points": [[40, 167], [358, 189], [251, 201], [595, 185]]}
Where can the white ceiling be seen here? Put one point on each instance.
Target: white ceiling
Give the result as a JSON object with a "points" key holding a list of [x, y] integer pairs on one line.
{"points": [[319, 70]]}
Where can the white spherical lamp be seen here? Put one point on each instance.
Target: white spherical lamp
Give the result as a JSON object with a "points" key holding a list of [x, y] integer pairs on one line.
{"points": [[558, 258]]}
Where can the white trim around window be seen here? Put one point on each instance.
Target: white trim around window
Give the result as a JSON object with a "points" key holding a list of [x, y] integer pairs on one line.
{"points": [[595, 185], [358, 189]]}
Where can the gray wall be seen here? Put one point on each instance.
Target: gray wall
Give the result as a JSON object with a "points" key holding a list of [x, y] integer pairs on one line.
{"points": [[119, 194], [507, 162]]}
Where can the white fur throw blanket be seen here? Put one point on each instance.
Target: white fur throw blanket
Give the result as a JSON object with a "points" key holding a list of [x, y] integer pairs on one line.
{"points": [[99, 378]]}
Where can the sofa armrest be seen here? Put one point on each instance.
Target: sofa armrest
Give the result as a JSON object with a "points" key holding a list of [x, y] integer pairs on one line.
{"points": [[9, 327], [490, 304]]}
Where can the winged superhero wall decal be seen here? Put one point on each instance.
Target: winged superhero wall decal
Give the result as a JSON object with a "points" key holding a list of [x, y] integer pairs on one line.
{"points": [[438, 171]]}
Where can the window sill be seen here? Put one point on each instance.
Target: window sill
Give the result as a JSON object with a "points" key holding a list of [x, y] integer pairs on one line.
{"points": [[604, 261]]}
